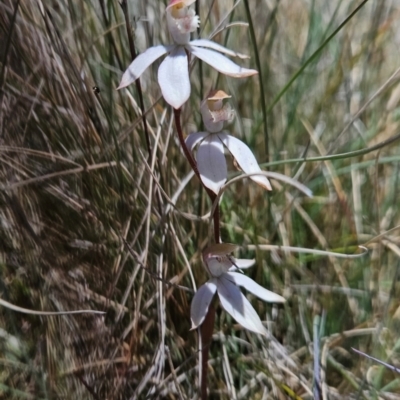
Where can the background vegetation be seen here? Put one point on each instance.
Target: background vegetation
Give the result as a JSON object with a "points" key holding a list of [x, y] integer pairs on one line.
{"points": [[92, 217]]}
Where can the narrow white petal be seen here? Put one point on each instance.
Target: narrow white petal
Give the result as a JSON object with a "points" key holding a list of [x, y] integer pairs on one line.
{"points": [[200, 303], [194, 138], [234, 303], [220, 62], [242, 263], [253, 287], [245, 158], [211, 163], [173, 77], [215, 46], [140, 64]]}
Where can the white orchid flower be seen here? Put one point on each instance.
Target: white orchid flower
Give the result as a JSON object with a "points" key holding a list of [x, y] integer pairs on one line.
{"points": [[210, 156], [225, 279], [173, 74]]}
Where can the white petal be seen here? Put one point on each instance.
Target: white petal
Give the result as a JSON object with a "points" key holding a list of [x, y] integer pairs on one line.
{"points": [[211, 163], [173, 77], [140, 63], [200, 303], [215, 46], [245, 158], [194, 138], [220, 62], [242, 263], [234, 303], [255, 288]]}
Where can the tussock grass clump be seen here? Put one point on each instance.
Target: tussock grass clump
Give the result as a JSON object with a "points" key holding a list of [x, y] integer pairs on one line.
{"points": [[98, 211]]}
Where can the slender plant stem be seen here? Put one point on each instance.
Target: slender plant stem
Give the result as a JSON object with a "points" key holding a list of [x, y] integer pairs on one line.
{"points": [[207, 327], [260, 78], [124, 6], [206, 330], [317, 369], [111, 39], [192, 162], [340, 156], [314, 55], [7, 47], [177, 115]]}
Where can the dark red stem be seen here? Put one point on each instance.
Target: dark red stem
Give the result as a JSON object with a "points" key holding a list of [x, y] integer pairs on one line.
{"points": [[206, 331], [207, 327], [192, 162]]}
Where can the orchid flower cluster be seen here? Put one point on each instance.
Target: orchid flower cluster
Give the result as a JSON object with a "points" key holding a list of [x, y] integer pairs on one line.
{"points": [[173, 77]]}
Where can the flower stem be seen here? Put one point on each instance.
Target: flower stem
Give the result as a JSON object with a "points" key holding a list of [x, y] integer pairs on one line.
{"points": [[192, 162], [207, 327], [206, 330]]}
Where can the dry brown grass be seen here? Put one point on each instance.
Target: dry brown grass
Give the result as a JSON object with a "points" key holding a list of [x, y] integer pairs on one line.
{"points": [[77, 184]]}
